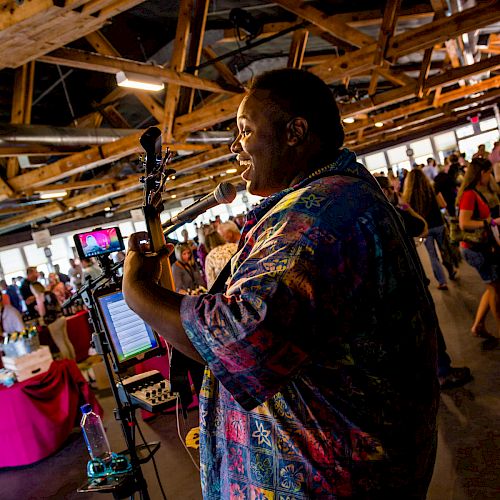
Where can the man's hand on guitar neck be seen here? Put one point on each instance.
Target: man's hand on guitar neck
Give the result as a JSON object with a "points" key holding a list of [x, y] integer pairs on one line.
{"points": [[140, 264], [157, 306]]}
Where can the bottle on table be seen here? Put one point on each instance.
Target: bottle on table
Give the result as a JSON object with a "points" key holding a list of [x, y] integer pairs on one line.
{"points": [[94, 434]]}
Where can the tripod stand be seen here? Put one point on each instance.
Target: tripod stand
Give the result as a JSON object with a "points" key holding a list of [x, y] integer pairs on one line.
{"points": [[127, 484]]}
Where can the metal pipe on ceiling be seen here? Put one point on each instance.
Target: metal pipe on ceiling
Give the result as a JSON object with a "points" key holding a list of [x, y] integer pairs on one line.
{"points": [[12, 134]]}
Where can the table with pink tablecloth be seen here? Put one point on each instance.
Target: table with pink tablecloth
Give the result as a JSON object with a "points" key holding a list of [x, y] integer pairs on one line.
{"points": [[38, 415]]}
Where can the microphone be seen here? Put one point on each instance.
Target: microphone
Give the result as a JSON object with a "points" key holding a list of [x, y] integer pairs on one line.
{"points": [[225, 192]]}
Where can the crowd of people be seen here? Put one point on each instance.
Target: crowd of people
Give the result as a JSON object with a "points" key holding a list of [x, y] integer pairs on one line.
{"points": [[467, 192]]}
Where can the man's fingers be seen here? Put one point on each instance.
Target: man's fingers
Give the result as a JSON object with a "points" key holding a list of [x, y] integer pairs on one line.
{"points": [[134, 242]]}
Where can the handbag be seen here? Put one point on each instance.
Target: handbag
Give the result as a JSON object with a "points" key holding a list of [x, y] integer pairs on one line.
{"points": [[475, 237]]}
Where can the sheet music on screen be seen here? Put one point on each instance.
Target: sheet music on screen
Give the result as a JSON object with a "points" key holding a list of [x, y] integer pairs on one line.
{"points": [[130, 334]]}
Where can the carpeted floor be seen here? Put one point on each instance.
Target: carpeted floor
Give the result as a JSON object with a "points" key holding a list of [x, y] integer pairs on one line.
{"points": [[468, 461]]}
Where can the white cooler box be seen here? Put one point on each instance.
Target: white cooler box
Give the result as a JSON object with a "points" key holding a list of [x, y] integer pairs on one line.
{"points": [[29, 365]]}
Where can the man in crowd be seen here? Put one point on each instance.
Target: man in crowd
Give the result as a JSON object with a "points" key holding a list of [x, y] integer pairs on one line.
{"points": [[322, 349], [63, 278], [75, 274], [13, 293], [26, 294], [431, 169]]}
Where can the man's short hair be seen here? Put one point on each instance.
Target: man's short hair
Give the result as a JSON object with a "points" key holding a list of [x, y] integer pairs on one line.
{"points": [[300, 93]]}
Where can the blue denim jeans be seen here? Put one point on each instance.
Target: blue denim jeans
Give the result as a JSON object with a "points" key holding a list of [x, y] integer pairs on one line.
{"points": [[436, 235]]}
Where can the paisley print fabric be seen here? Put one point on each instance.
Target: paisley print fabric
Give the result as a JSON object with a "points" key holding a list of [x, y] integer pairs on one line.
{"points": [[321, 366]]}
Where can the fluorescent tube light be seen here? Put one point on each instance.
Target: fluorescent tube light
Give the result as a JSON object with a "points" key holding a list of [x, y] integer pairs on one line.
{"points": [[53, 194], [136, 81]]}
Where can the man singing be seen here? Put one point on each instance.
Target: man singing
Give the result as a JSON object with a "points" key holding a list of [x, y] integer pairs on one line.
{"points": [[321, 379]]}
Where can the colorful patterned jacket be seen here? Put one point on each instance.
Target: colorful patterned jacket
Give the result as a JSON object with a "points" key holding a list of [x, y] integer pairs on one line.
{"points": [[321, 352]]}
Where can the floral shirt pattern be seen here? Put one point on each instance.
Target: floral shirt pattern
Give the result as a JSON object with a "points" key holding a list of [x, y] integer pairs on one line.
{"points": [[217, 259], [321, 378]]}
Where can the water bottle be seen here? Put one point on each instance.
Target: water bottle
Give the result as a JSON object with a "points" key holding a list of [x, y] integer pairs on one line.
{"points": [[94, 434]]}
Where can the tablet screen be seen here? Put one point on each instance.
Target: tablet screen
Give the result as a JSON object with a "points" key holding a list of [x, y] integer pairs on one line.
{"points": [[130, 335]]}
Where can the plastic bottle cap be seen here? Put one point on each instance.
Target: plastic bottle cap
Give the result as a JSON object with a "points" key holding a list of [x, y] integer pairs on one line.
{"points": [[86, 408]]}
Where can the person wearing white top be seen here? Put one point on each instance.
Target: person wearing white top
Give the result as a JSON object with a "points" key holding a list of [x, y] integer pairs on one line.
{"points": [[10, 319]]}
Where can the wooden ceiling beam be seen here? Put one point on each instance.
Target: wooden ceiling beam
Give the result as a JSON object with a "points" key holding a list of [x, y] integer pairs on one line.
{"points": [[386, 29], [297, 49], [220, 153], [101, 44], [222, 68], [79, 162], [81, 59], [21, 106], [468, 91], [177, 63], [207, 115], [410, 41], [193, 56], [362, 19], [444, 29], [400, 94], [330, 24], [384, 141]]}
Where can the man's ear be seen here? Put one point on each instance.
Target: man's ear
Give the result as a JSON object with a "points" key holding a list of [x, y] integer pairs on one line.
{"points": [[296, 131]]}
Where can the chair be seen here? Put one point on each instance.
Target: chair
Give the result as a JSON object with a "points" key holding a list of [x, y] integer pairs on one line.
{"points": [[59, 333]]}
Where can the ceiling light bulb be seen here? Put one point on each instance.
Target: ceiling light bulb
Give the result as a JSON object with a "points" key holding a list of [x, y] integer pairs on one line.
{"points": [[174, 196], [137, 81], [231, 170], [349, 119], [53, 194], [107, 209], [379, 124]]}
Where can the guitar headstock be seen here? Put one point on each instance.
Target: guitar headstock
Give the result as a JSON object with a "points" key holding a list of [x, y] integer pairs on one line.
{"points": [[155, 169]]}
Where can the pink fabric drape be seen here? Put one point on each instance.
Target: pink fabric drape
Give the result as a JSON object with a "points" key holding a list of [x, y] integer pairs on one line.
{"points": [[38, 415]]}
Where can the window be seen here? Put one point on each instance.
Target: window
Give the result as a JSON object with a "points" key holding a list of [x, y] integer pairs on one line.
{"points": [[375, 161], [36, 258], [12, 263], [469, 146], [464, 131], [140, 226], [126, 228], [488, 124], [397, 155], [445, 142], [422, 148]]}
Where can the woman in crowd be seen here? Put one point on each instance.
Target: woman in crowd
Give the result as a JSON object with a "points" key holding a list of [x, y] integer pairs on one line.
{"points": [[419, 193], [187, 278], [219, 252], [475, 214], [58, 288]]}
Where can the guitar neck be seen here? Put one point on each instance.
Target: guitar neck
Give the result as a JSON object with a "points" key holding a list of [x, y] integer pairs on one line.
{"points": [[157, 243]]}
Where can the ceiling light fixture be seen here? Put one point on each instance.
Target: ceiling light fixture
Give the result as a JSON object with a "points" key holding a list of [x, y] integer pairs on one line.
{"points": [[379, 124], [231, 170], [349, 119], [174, 196], [53, 194], [137, 81]]}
